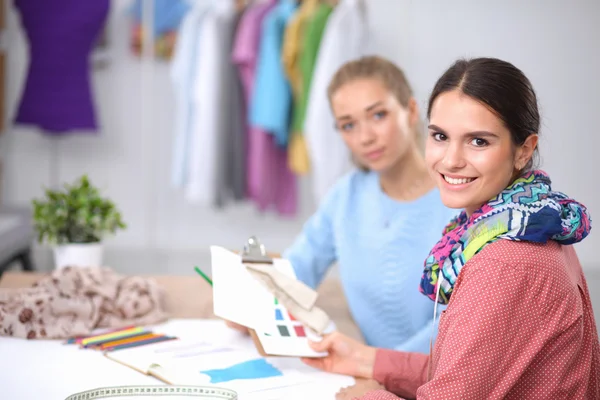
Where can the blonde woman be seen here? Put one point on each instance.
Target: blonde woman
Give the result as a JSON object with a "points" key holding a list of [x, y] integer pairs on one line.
{"points": [[380, 220]]}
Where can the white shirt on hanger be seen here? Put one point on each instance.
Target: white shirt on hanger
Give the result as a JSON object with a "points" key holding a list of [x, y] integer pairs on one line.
{"points": [[345, 38], [207, 105], [182, 72]]}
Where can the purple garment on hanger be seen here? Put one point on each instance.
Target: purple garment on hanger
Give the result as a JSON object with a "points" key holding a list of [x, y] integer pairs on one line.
{"points": [[270, 182], [62, 33]]}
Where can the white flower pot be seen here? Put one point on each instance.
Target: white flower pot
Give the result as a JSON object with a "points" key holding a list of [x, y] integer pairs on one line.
{"points": [[78, 255]]}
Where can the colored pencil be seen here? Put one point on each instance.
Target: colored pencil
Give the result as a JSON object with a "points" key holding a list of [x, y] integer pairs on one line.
{"points": [[109, 340], [104, 332], [148, 335], [202, 274], [78, 339], [112, 335], [141, 343]]}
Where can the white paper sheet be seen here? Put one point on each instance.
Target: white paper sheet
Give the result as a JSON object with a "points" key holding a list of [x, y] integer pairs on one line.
{"points": [[25, 373], [191, 359], [237, 296]]}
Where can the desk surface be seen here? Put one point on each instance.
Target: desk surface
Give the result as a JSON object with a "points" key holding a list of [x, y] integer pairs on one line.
{"points": [[36, 369], [50, 370]]}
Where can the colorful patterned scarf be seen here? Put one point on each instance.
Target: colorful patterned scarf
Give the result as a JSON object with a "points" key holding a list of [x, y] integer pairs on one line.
{"points": [[527, 210]]}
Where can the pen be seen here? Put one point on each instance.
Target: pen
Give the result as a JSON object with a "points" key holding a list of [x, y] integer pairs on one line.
{"points": [[202, 274]]}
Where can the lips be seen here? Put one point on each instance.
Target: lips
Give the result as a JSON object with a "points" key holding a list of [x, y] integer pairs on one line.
{"points": [[457, 181], [373, 155]]}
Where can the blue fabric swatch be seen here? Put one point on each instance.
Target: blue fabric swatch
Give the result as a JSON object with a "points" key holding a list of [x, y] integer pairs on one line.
{"points": [[278, 315], [253, 369]]}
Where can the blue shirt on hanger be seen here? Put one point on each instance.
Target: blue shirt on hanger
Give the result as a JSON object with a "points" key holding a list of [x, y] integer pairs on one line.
{"points": [[271, 99]]}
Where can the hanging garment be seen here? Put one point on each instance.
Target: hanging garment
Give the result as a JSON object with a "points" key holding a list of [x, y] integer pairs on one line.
{"points": [[168, 15], [291, 54], [262, 161], [182, 72], [329, 155], [271, 103], [291, 44], [311, 22], [209, 97], [57, 96], [231, 181]]}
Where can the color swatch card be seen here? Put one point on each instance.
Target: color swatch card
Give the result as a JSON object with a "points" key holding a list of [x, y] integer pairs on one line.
{"points": [[288, 336], [240, 298]]}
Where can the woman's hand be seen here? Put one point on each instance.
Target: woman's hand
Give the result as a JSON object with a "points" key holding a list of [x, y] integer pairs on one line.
{"points": [[346, 356], [237, 327], [358, 390]]}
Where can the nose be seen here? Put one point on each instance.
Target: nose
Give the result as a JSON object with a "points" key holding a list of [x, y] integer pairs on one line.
{"points": [[366, 135], [454, 157]]}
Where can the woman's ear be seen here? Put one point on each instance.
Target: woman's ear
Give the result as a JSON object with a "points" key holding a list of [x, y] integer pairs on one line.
{"points": [[413, 112], [525, 151]]}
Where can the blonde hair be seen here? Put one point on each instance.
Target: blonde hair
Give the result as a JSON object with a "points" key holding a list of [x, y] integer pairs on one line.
{"points": [[374, 67]]}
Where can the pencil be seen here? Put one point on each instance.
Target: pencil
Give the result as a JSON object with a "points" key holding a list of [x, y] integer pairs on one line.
{"points": [[202, 274], [108, 340], [134, 339], [113, 335], [78, 339], [141, 343]]}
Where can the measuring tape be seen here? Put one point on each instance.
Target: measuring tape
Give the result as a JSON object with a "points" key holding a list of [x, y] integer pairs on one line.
{"points": [[200, 392]]}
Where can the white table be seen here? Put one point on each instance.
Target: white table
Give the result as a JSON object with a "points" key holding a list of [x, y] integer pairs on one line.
{"points": [[50, 370]]}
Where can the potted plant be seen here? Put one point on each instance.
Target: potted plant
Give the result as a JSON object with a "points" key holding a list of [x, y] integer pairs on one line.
{"points": [[75, 221]]}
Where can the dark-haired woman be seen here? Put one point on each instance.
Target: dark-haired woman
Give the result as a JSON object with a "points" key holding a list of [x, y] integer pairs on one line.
{"points": [[519, 322]]}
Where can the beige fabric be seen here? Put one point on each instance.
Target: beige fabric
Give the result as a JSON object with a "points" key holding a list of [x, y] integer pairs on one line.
{"points": [[76, 300], [298, 298]]}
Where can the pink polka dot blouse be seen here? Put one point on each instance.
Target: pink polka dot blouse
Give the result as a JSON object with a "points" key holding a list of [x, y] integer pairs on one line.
{"points": [[519, 325]]}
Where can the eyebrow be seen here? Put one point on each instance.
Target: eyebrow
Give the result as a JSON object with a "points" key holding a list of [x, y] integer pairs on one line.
{"points": [[367, 109], [468, 134]]}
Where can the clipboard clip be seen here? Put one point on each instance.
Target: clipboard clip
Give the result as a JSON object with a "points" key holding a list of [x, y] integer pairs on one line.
{"points": [[255, 252]]}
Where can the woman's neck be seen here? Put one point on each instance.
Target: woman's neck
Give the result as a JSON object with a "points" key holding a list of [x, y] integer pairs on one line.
{"points": [[408, 179]]}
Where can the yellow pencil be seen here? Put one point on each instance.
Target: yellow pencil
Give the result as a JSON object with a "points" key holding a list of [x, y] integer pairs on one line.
{"points": [[118, 334]]}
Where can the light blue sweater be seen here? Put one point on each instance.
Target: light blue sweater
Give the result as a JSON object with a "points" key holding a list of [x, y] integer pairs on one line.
{"points": [[380, 245]]}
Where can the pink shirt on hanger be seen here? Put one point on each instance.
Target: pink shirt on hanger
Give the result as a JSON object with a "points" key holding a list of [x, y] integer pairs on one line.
{"points": [[269, 180]]}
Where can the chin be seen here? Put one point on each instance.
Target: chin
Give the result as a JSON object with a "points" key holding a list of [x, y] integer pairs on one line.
{"points": [[451, 200], [379, 165]]}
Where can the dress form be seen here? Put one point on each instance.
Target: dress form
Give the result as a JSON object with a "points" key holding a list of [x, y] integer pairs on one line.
{"points": [[57, 97]]}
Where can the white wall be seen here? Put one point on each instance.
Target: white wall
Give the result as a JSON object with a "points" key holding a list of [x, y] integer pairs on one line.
{"points": [[554, 42]]}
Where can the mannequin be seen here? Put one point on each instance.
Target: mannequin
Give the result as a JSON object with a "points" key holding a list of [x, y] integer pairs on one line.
{"points": [[57, 97]]}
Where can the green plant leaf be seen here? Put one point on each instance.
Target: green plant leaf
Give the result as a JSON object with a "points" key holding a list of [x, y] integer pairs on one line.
{"points": [[75, 214]]}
